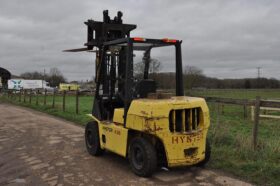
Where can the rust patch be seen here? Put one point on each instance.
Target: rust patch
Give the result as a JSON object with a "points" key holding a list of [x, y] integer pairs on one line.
{"points": [[150, 129], [155, 118], [144, 112], [157, 128]]}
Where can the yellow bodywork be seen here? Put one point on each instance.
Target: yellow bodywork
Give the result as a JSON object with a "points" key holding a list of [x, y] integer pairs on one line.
{"points": [[153, 117]]}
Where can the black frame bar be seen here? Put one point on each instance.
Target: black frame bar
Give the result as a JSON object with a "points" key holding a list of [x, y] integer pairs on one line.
{"points": [[129, 66]]}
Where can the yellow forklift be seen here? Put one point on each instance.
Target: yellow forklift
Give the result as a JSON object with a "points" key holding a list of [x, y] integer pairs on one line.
{"points": [[129, 116]]}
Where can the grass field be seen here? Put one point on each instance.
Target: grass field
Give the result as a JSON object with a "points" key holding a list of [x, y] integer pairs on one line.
{"points": [[231, 137], [230, 134], [238, 93]]}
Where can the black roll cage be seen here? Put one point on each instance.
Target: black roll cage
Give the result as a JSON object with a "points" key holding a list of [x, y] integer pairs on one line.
{"points": [[132, 44]]}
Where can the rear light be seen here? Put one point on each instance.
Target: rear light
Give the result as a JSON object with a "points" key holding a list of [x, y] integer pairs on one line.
{"points": [[169, 40], [139, 39]]}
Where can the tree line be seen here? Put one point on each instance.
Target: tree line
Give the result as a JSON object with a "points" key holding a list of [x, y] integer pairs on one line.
{"points": [[194, 78], [53, 77]]}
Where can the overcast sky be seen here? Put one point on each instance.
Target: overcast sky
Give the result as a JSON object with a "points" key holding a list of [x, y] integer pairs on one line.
{"points": [[226, 39]]}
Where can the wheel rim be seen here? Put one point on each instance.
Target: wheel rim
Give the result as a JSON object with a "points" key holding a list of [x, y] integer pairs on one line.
{"points": [[137, 157], [89, 138]]}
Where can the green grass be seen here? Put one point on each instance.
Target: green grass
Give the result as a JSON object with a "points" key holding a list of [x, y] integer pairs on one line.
{"points": [[238, 93], [231, 138], [85, 106], [230, 134]]}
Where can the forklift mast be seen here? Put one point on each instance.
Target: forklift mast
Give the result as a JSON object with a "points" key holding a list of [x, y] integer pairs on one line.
{"points": [[98, 33]]}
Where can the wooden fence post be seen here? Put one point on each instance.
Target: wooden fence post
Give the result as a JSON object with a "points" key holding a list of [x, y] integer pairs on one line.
{"points": [[53, 101], [45, 97], [24, 96], [252, 113], [256, 121], [218, 114], [30, 94], [77, 102], [245, 110], [63, 100], [19, 96], [217, 111], [37, 97]]}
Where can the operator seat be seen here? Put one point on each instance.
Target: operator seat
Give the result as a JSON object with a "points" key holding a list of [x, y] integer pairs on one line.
{"points": [[144, 87]]}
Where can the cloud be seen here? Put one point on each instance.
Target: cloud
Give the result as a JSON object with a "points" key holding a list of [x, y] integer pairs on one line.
{"points": [[226, 39]]}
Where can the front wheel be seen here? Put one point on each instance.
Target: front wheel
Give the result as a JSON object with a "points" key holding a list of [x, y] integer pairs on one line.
{"points": [[142, 157], [92, 139]]}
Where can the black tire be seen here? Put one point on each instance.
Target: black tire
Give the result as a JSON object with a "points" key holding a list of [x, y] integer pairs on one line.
{"points": [[207, 155], [92, 139], [142, 157]]}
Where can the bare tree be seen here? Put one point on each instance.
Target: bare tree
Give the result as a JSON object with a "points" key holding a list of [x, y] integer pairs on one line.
{"points": [[32, 75], [154, 67], [192, 76], [55, 77], [192, 70]]}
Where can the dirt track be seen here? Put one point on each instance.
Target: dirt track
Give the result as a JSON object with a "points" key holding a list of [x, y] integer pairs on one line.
{"points": [[38, 149]]}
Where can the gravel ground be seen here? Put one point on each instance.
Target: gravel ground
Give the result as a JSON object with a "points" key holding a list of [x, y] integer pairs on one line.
{"points": [[38, 149]]}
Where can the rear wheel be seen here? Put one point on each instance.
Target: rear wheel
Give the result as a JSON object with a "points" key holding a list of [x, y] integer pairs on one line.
{"points": [[92, 139], [207, 155], [142, 157]]}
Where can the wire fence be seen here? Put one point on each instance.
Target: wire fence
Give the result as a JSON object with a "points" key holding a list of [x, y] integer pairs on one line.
{"points": [[43, 98], [257, 104]]}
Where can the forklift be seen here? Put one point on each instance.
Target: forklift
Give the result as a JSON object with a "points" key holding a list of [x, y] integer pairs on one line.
{"points": [[129, 116]]}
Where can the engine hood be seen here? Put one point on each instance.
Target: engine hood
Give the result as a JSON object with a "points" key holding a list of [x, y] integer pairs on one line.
{"points": [[151, 108]]}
